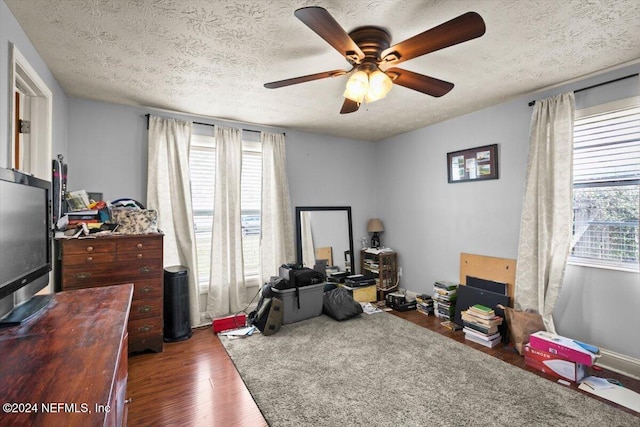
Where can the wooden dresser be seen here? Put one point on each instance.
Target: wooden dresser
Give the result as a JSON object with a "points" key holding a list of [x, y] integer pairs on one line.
{"points": [[120, 259], [68, 365]]}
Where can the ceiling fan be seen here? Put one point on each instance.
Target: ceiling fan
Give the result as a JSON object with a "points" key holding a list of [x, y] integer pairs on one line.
{"points": [[373, 60]]}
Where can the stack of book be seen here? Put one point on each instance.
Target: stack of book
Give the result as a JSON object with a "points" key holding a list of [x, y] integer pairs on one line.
{"points": [[444, 299], [424, 304], [88, 216], [481, 325]]}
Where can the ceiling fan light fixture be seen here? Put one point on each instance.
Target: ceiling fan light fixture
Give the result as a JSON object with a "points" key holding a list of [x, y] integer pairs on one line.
{"points": [[379, 86], [357, 86]]}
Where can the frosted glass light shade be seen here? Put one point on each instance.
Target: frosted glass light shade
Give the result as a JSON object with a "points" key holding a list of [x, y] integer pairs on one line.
{"points": [[357, 86], [379, 86]]}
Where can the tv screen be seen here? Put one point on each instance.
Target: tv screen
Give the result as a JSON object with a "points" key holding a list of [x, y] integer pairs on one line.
{"points": [[25, 232]]}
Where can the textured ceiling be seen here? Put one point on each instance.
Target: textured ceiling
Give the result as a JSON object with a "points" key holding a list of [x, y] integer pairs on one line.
{"points": [[212, 58]]}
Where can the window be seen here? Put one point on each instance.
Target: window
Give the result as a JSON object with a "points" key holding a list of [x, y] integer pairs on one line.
{"points": [[606, 185], [202, 163]]}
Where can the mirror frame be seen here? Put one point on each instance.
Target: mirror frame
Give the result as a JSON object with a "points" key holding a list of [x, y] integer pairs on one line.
{"points": [[300, 209]]}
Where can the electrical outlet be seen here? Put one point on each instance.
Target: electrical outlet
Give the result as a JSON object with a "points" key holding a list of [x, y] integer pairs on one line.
{"points": [[400, 272]]}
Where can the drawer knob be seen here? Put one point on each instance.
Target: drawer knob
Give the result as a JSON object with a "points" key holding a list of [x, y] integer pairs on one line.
{"points": [[89, 248], [89, 258], [83, 275], [127, 401], [145, 328], [145, 290], [139, 245], [145, 309], [139, 256], [144, 270]]}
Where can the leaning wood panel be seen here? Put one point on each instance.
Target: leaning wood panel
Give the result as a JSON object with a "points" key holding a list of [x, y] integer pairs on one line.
{"points": [[489, 268]]}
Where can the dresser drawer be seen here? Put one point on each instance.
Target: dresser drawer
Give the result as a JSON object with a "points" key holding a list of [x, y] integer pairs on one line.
{"points": [[87, 246], [89, 259], [139, 244], [147, 307], [146, 254], [145, 326], [76, 276], [150, 288]]}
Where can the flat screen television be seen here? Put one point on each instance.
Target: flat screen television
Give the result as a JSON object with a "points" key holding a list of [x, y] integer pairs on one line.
{"points": [[25, 245]]}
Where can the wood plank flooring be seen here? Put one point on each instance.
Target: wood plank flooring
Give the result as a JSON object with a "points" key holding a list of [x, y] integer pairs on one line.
{"points": [[195, 383], [191, 383]]}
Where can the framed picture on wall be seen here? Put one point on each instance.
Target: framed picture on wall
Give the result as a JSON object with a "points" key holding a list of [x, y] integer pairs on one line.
{"points": [[473, 164]]}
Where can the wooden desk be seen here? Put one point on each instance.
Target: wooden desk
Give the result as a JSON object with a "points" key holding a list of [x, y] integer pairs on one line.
{"points": [[68, 366]]}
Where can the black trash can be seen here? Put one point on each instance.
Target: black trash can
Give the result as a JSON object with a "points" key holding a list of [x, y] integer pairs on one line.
{"points": [[177, 323]]}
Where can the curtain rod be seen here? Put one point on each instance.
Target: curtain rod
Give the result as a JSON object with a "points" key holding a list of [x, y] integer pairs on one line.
{"points": [[531, 103], [204, 124]]}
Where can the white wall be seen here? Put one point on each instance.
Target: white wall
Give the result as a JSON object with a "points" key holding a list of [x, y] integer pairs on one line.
{"points": [[108, 154], [430, 222]]}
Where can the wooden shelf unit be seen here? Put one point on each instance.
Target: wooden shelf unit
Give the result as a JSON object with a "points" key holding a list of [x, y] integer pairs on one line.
{"points": [[383, 267]]}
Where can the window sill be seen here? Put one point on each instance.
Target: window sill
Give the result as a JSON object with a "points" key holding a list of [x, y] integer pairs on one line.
{"points": [[616, 267]]}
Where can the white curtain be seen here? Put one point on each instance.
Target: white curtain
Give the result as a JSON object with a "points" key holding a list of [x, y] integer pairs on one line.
{"points": [[168, 192], [276, 246], [545, 228], [226, 284]]}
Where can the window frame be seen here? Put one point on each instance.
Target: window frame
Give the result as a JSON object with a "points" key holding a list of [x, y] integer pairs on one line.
{"points": [[248, 146], [599, 263]]}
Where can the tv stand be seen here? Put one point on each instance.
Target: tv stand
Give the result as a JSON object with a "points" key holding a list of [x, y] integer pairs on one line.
{"points": [[26, 311]]}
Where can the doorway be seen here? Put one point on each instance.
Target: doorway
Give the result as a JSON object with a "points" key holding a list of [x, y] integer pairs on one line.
{"points": [[31, 124]]}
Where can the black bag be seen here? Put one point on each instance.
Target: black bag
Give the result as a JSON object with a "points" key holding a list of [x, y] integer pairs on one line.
{"points": [[340, 305], [267, 316], [305, 277]]}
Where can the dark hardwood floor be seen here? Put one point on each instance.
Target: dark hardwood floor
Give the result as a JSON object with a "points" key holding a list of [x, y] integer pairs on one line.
{"points": [[194, 382], [191, 383]]}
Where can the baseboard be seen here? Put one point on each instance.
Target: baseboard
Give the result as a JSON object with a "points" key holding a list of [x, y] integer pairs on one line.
{"points": [[619, 363]]}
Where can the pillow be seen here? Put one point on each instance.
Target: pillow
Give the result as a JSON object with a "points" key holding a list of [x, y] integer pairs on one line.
{"points": [[135, 221], [340, 305]]}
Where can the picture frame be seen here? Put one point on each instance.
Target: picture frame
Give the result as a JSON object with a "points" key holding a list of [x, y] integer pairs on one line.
{"points": [[473, 164]]}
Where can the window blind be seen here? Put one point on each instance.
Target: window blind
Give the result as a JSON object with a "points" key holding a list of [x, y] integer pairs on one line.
{"points": [[607, 148]]}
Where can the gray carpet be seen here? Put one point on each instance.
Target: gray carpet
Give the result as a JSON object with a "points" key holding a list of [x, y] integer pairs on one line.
{"points": [[380, 370]]}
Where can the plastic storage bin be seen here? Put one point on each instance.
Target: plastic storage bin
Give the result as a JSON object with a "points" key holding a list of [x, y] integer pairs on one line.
{"points": [[310, 302]]}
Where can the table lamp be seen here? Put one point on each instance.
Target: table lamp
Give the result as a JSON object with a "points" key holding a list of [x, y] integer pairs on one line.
{"points": [[375, 226]]}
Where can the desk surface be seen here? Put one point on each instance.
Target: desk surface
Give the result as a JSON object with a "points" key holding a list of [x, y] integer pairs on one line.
{"points": [[63, 361]]}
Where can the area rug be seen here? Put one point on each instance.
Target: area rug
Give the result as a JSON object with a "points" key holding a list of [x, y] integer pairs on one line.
{"points": [[380, 370]]}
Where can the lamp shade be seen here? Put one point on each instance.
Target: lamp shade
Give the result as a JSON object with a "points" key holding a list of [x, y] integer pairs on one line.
{"points": [[375, 225], [379, 85], [357, 86]]}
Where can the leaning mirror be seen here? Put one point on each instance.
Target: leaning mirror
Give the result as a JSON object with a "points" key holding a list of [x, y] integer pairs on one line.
{"points": [[325, 233]]}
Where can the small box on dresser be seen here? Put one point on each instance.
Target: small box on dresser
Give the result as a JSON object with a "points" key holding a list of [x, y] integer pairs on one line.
{"points": [[117, 259]]}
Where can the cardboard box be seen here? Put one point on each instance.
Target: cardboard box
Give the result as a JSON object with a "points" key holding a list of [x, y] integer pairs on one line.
{"points": [[553, 364], [362, 293], [563, 347]]}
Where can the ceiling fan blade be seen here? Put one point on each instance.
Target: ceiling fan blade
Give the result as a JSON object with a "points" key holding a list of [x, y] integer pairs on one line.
{"points": [[461, 29], [303, 79], [323, 24], [421, 83], [349, 106]]}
